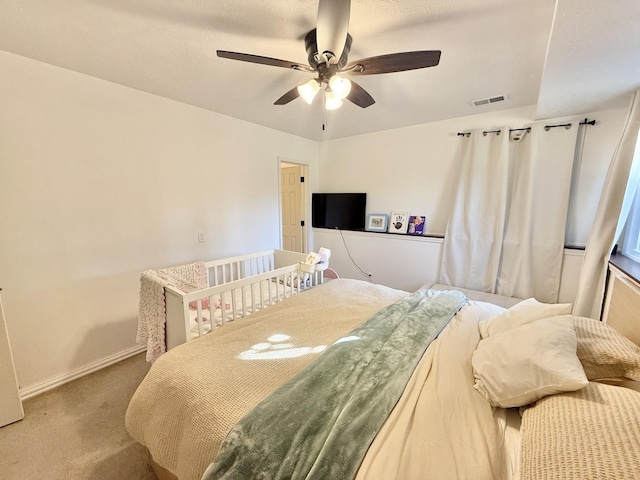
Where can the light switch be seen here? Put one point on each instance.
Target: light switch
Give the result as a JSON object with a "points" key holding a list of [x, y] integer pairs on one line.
{"points": [[200, 237]]}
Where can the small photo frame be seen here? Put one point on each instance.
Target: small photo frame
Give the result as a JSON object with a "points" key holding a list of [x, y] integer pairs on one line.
{"points": [[398, 222], [377, 222], [416, 224]]}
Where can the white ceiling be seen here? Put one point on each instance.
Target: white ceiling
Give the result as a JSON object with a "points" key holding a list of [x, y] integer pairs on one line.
{"points": [[580, 59]]}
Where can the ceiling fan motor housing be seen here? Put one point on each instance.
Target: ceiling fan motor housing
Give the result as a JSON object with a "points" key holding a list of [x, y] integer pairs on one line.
{"points": [[311, 46]]}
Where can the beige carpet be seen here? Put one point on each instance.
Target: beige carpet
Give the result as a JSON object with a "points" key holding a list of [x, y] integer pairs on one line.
{"points": [[76, 431]]}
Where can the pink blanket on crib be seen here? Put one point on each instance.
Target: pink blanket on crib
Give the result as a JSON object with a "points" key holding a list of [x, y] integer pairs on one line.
{"points": [[152, 316]]}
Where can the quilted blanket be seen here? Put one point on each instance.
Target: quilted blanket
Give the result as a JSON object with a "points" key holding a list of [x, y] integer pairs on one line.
{"points": [[152, 315], [595, 434], [194, 394]]}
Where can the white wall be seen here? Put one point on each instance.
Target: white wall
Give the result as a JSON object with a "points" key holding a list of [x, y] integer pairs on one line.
{"points": [[414, 169], [398, 261], [408, 262], [99, 182]]}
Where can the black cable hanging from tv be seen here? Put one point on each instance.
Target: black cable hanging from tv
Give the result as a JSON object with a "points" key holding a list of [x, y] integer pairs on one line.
{"points": [[367, 274]]}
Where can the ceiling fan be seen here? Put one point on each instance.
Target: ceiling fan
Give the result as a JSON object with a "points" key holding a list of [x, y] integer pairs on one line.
{"points": [[328, 47]]}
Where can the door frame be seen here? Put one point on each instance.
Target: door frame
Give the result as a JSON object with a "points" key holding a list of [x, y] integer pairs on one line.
{"points": [[304, 200], [11, 409]]}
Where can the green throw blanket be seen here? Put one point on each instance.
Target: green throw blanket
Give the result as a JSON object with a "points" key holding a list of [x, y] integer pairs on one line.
{"points": [[320, 423]]}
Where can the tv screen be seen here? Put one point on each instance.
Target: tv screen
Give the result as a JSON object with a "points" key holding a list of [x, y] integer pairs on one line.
{"points": [[345, 211]]}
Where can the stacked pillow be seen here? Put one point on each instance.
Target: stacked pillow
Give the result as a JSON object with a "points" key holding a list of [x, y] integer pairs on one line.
{"points": [[535, 349], [604, 353], [524, 355], [521, 313]]}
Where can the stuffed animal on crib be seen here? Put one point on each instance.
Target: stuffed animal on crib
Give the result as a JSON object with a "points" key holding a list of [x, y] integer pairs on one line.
{"points": [[205, 304]]}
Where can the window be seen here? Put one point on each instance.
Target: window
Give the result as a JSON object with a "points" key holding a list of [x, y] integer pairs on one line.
{"points": [[631, 245]]}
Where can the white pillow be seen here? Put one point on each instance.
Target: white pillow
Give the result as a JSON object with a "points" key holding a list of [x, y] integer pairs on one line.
{"points": [[485, 310], [521, 313], [526, 363]]}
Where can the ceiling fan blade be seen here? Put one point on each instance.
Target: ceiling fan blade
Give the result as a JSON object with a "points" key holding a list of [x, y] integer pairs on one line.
{"points": [[395, 62], [274, 62], [359, 96], [332, 27], [287, 97]]}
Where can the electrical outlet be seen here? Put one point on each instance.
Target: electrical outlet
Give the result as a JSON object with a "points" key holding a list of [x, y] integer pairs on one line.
{"points": [[200, 237]]}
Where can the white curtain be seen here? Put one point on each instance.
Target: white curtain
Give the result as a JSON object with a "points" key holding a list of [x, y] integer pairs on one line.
{"points": [[608, 220], [533, 245], [506, 230], [473, 241]]}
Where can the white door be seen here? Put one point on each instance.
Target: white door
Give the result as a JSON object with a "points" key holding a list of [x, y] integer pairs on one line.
{"points": [[292, 210], [10, 403]]}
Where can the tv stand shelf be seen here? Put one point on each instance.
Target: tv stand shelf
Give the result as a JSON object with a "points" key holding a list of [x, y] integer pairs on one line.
{"points": [[405, 236]]}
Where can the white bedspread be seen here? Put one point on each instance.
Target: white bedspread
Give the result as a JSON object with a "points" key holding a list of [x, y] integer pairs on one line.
{"points": [[442, 428]]}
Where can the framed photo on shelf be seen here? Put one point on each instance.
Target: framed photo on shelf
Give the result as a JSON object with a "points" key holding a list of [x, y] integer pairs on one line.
{"points": [[377, 222], [398, 222], [416, 225]]}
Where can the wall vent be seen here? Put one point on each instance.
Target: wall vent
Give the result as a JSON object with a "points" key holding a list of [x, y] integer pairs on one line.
{"points": [[487, 101]]}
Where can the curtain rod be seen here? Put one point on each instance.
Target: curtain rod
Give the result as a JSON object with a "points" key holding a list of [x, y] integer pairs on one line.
{"points": [[528, 129]]}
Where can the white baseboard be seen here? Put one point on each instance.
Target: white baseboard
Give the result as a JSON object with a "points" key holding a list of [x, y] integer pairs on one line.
{"points": [[59, 380]]}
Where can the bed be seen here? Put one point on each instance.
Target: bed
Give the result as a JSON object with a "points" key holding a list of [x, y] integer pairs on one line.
{"points": [[187, 301], [246, 402]]}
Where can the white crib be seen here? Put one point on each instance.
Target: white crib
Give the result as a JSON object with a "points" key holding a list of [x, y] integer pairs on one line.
{"points": [[238, 286]]}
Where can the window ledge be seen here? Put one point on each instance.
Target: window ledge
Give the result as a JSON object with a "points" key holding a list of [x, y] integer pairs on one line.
{"points": [[627, 265]]}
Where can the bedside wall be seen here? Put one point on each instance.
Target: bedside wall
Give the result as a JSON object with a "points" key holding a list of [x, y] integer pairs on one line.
{"points": [[407, 263]]}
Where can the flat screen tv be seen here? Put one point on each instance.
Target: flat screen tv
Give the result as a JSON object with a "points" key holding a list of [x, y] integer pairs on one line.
{"points": [[345, 211]]}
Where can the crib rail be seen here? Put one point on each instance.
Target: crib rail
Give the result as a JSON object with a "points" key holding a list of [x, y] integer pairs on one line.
{"points": [[236, 268], [238, 287]]}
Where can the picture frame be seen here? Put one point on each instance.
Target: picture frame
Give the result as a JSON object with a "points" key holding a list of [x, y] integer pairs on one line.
{"points": [[377, 222], [398, 222], [416, 224]]}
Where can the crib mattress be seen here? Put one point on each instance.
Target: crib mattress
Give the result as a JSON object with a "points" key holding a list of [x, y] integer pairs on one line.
{"points": [[247, 301]]}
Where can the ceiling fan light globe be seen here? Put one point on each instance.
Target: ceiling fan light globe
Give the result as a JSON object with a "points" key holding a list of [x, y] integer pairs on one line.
{"points": [[309, 90], [340, 86], [331, 102]]}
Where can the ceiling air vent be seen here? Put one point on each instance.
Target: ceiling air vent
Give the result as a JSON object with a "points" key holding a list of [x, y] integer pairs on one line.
{"points": [[487, 101]]}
